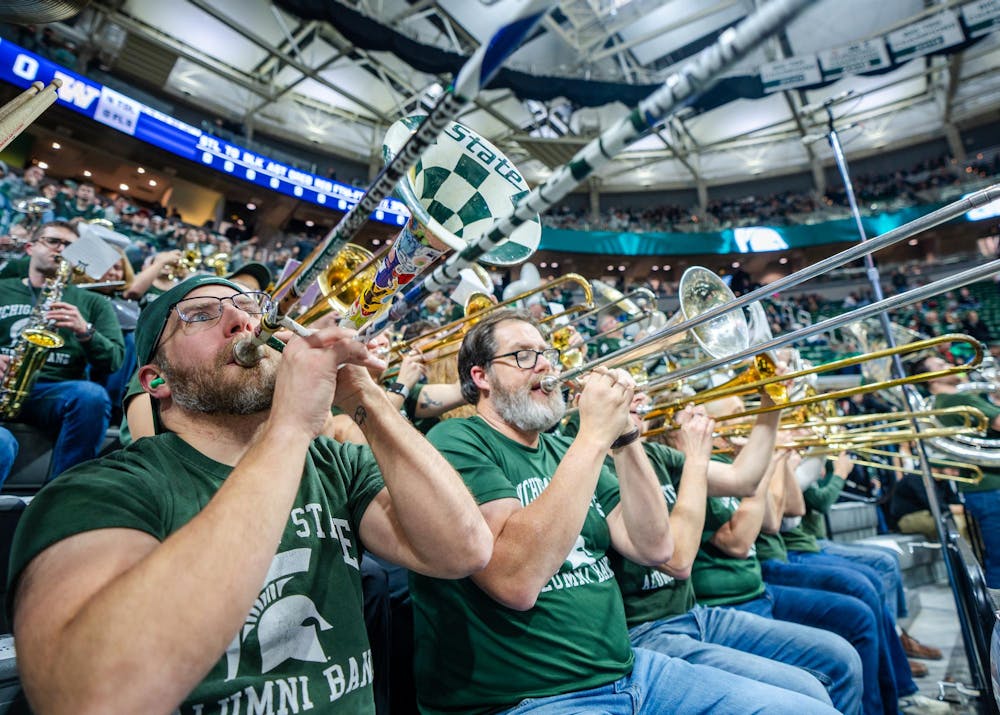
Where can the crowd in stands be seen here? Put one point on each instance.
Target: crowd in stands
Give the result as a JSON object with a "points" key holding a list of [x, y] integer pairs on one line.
{"points": [[151, 229], [875, 193], [770, 617]]}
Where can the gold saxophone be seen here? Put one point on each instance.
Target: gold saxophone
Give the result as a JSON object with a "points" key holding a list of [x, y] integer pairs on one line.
{"points": [[32, 346]]}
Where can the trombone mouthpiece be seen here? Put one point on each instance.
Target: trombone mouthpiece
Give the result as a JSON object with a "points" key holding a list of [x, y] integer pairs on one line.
{"points": [[549, 383], [247, 352]]}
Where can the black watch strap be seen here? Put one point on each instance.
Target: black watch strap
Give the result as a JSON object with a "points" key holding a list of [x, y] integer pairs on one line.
{"points": [[399, 388]]}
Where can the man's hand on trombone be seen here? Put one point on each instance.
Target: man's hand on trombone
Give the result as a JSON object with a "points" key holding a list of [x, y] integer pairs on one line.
{"points": [[327, 367]]}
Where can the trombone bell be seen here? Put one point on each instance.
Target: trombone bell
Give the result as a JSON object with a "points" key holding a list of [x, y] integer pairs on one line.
{"points": [[339, 285], [701, 290]]}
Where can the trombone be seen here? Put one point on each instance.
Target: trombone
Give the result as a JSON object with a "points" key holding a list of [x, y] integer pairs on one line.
{"points": [[477, 308], [972, 420], [762, 376], [975, 470]]}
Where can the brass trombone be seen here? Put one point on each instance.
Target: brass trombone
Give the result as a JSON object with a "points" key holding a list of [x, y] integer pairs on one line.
{"points": [[741, 386], [975, 469], [453, 332]]}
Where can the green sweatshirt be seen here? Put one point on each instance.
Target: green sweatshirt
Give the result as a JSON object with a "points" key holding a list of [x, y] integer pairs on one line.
{"points": [[104, 352]]}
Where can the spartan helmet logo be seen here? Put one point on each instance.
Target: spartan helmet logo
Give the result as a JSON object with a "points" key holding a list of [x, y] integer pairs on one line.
{"points": [[287, 629], [287, 626], [579, 556]]}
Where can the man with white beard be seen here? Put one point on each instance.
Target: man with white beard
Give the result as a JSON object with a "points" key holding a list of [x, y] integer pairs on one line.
{"points": [[542, 628], [218, 562]]}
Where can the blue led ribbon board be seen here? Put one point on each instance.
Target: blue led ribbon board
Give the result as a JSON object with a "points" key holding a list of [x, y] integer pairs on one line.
{"points": [[21, 67]]}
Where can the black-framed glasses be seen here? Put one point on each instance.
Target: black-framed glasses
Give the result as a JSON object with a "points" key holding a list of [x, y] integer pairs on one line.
{"points": [[206, 308], [54, 241], [526, 358]]}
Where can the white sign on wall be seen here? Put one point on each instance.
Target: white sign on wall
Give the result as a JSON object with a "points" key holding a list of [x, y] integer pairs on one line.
{"points": [[921, 38], [793, 72]]}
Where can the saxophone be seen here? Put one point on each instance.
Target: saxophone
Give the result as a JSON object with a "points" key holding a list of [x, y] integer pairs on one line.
{"points": [[32, 346]]}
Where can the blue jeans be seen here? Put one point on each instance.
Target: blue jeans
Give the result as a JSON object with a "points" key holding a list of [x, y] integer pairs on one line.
{"points": [[76, 413], [892, 678], [831, 573], [787, 655], [985, 508], [883, 560], [844, 615], [659, 685], [8, 453]]}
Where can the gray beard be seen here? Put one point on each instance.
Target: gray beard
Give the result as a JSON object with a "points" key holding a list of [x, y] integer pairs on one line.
{"points": [[517, 408], [203, 391]]}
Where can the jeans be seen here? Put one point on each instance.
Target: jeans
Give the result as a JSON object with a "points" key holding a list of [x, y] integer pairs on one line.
{"points": [[985, 508], [76, 412], [883, 560], [787, 655], [8, 453], [844, 615], [659, 685], [830, 573], [892, 677]]}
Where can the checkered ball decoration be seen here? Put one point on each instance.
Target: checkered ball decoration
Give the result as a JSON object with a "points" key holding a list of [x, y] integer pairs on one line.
{"points": [[460, 185]]}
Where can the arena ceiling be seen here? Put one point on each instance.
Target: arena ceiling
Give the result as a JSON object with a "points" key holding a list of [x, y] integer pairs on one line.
{"points": [[260, 66]]}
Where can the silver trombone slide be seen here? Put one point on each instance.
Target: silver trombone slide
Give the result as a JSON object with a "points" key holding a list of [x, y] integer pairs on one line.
{"points": [[918, 225], [916, 295]]}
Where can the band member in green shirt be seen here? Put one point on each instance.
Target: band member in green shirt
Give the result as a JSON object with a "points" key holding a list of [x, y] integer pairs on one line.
{"points": [[218, 563], [542, 628]]}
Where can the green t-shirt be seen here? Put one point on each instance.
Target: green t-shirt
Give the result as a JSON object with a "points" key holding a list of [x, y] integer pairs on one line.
{"points": [[474, 655], [819, 497], [991, 477], [720, 579], [649, 594], [798, 539], [771, 546], [67, 210], [104, 352], [303, 645], [605, 346]]}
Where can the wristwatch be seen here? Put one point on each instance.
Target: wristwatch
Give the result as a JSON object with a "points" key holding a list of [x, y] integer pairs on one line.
{"points": [[89, 333], [399, 388]]}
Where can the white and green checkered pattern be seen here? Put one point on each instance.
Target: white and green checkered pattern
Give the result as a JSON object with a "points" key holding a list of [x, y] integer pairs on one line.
{"points": [[458, 192]]}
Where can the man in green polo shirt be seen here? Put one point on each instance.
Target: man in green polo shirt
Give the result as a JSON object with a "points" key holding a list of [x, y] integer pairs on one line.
{"points": [[542, 628], [982, 500], [216, 565]]}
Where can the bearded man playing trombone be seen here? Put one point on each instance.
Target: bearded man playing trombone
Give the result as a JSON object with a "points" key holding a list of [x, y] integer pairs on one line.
{"points": [[218, 562], [542, 628]]}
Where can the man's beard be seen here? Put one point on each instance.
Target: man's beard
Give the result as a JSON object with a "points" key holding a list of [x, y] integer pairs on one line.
{"points": [[517, 407], [204, 390]]}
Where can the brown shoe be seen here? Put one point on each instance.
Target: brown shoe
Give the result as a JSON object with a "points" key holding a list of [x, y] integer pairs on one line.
{"points": [[915, 649], [917, 669]]}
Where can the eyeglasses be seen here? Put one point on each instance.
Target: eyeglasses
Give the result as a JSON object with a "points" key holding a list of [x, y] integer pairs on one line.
{"points": [[54, 242], [206, 308], [526, 359]]}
